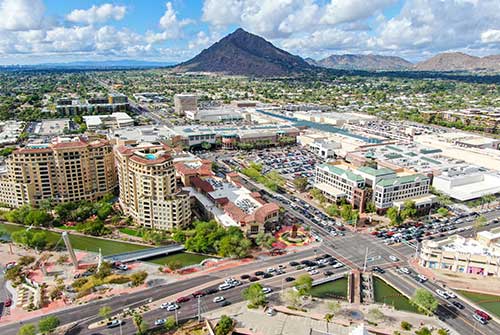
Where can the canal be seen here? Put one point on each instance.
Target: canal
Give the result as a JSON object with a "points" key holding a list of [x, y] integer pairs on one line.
{"points": [[336, 289], [108, 247], [386, 294]]}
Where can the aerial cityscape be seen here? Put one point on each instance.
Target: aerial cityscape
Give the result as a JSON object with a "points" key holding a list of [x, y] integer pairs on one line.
{"points": [[287, 167]]}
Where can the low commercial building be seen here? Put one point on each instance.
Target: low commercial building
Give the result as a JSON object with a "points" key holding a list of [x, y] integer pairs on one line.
{"points": [[148, 188], [113, 121], [231, 136], [10, 131], [479, 256], [467, 182], [63, 170], [233, 205], [140, 134], [334, 118], [216, 115]]}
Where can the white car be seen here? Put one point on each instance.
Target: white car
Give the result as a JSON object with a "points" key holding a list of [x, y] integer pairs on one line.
{"points": [[225, 286], [442, 294], [310, 268], [165, 305], [451, 294], [219, 299], [172, 307], [393, 258], [422, 278], [270, 270], [405, 270], [313, 272], [267, 290], [160, 322], [338, 265]]}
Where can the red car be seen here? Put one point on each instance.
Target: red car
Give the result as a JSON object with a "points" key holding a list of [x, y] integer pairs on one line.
{"points": [[198, 294], [482, 314], [8, 302], [374, 233], [182, 299]]}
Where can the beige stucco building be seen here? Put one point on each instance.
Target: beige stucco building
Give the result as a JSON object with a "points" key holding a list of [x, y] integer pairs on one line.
{"points": [[64, 170], [148, 190]]}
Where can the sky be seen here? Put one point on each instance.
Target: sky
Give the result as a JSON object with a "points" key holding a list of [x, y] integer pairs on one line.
{"points": [[41, 31]]}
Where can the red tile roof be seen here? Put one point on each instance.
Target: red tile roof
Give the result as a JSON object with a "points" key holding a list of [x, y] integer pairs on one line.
{"points": [[201, 184]]}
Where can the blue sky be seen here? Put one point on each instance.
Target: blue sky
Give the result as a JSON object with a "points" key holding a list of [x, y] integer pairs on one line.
{"points": [[36, 31]]}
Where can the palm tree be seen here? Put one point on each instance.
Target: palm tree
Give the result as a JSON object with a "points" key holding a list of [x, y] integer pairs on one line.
{"points": [[139, 323], [479, 223]]}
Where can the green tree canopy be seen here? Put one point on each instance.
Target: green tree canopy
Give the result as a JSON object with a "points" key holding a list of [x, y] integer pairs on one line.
{"points": [[29, 329], [303, 285], [224, 326], [425, 301], [254, 295], [48, 324]]}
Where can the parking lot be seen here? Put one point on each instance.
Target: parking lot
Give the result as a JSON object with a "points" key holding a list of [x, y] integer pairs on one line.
{"points": [[291, 163]]}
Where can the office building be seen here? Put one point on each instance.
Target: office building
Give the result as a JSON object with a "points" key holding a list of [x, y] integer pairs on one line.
{"points": [[185, 102], [384, 187], [64, 170], [473, 256], [97, 105], [148, 190]]}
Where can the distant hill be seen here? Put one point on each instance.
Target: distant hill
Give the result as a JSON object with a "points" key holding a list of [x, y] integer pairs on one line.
{"points": [[458, 61], [243, 53], [363, 62], [109, 64]]}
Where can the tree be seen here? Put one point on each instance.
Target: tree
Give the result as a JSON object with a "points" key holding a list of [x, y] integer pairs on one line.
{"points": [[104, 312], [25, 260], [425, 301], [423, 331], [409, 210], [170, 323], [224, 326], [29, 329], [442, 211], [444, 200], [254, 295], [370, 207], [174, 264], [405, 325], [479, 222], [138, 278], [332, 210], [334, 307], [442, 331], [139, 324], [393, 215], [300, 183], [48, 324], [234, 246], [346, 212], [292, 298], [264, 240], [303, 285], [206, 146], [318, 195], [374, 314]]}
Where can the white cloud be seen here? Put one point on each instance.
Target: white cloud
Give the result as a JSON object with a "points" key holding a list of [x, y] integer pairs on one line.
{"points": [[342, 11], [97, 14], [171, 26], [490, 36], [21, 15]]}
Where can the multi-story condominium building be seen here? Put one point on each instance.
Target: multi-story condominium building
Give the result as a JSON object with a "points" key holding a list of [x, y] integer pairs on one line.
{"points": [[66, 169], [148, 190], [385, 187], [479, 256], [98, 105]]}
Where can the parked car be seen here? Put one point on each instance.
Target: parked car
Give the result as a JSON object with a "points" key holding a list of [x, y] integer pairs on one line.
{"points": [[482, 314], [114, 323], [218, 299]]}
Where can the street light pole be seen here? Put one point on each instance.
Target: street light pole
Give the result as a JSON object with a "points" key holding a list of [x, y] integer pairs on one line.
{"points": [[121, 327]]}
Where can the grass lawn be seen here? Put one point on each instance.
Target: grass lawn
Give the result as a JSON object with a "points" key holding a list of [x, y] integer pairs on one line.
{"points": [[184, 257], [333, 289], [86, 243], [129, 231], [489, 302], [386, 294]]}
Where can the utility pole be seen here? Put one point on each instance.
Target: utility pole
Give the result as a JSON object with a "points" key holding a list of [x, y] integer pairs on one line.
{"points": [[176, 317]]}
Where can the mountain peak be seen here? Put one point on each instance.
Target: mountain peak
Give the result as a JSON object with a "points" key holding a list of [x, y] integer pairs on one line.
{"points": [[364, 62], [243, 53]]}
